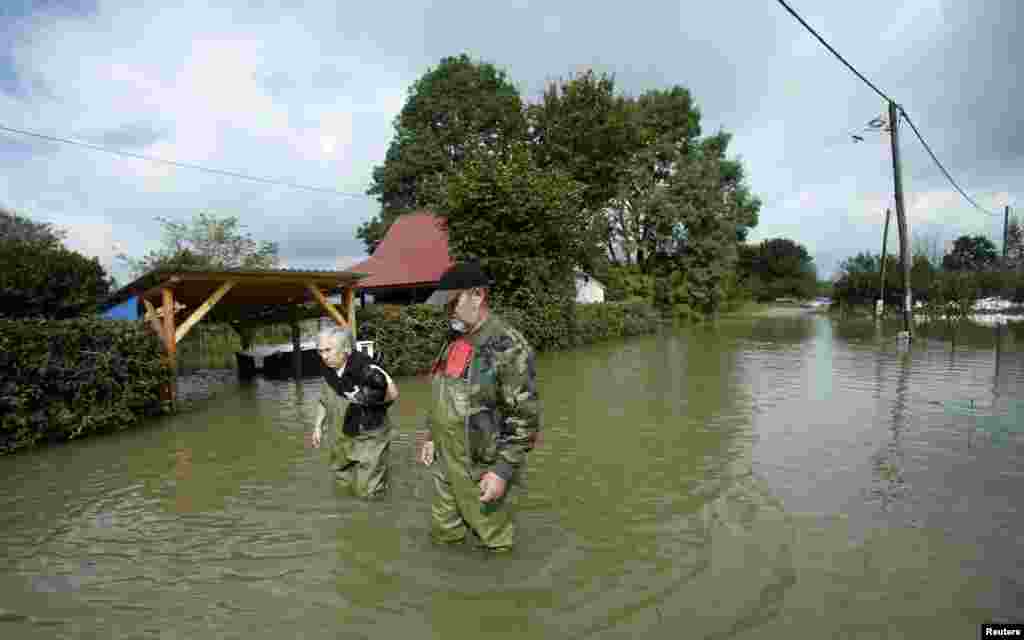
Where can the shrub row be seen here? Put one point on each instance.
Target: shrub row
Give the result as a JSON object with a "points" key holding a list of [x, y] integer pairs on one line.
{"points": [[410, 337], [65, 379]]}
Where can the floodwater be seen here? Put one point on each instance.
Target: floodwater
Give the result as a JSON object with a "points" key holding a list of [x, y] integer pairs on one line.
{"points": [[766, 477]]}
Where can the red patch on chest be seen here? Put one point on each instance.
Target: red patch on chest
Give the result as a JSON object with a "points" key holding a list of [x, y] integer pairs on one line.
{"points": [[459, 355]]}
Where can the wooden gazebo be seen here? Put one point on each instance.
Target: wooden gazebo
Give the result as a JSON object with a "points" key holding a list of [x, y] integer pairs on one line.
{"points": [[193, 293]]}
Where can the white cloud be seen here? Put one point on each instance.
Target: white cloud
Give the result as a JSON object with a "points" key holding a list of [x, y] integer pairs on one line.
{"points": [[209, 98]]}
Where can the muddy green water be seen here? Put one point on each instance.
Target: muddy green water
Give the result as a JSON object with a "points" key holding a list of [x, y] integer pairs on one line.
{"points": [[772, 477]]}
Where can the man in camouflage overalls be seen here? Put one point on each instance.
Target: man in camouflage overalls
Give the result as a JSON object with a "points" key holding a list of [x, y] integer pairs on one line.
{"points": [[354, 398], [484, 416]]}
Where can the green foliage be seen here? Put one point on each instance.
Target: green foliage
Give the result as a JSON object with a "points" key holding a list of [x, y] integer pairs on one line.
{"points": [[582, 128], [452, 110], [410, 337], [208, 242], [971, 253], [41, 278], [777, 268], [858, 282], [61, 380], [705, 244], [503, 207], [628, 283], [608, 321], [18, 228], [525, 226]]}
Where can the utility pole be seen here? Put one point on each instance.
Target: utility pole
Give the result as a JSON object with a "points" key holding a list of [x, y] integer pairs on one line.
{"points": [[901, 219], [880, 307], [1006, 223]]}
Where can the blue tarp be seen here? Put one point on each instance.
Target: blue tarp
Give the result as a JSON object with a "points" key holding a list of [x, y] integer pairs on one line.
{"points": [[128, 310]]}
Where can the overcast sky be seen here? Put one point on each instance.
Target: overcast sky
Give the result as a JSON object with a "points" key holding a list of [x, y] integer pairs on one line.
{"points": [[306, 92]]}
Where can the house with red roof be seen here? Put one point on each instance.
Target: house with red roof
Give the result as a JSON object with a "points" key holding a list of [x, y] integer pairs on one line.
{"points": [[408, 263]]}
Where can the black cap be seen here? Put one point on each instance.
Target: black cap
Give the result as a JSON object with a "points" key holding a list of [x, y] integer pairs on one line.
{"points": [[462, 275]]}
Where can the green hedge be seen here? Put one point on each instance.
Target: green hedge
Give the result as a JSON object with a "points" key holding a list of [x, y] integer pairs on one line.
{"points": [[410, 337], [64, 379]]}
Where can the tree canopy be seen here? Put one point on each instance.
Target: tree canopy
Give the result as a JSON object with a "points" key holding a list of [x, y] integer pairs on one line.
{"points": [[40, 277], [208, 241], [778, 268], [648, 192], [971, 253], [451, 110]]}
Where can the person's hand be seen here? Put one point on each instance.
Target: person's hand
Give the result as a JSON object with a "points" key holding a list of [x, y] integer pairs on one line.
{"points": [[316, 437], [427, 452], [492, 487]]}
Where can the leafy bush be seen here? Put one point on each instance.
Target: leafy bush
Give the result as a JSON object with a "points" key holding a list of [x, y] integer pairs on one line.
{"points": [[64, 379], [46, 280], [410, 337]]}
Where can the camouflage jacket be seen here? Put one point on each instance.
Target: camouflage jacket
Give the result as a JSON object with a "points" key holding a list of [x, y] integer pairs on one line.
{"points": [[486, 414]]}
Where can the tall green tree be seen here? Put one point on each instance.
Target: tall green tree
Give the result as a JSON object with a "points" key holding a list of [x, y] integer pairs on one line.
{"points": [[40, 277], [971, 253], [16, 227], [645, 218], [525, 226], [503, 207], [706, 219], [778, 268], [666, 126], [207, 241], [451, 110], [582, 128]]}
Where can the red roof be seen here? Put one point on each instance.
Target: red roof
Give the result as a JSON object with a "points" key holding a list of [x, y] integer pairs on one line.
{"points": [[413, 252]]}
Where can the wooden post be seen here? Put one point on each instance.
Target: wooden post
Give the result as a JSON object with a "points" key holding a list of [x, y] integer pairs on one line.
{"points": [[901, 220], [296, 343], [170, 341], [350, 310]]}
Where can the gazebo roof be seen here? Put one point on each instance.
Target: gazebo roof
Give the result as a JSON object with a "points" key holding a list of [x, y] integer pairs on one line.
{"points": [[252, 287]]}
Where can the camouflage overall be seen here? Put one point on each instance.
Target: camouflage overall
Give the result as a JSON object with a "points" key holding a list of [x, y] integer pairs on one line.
{"points": [[360, 463], [483, 417]]}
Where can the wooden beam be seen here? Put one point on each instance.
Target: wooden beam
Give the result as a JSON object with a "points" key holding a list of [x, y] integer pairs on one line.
{"points": [[328, 307], [151, 316], [198, 314], [172, 345], [153, 313], [350, 309]]}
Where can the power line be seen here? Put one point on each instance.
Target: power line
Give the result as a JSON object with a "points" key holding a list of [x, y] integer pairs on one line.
{"points": [[174, 163], [834, 52], [949, 177], [888, 99]]}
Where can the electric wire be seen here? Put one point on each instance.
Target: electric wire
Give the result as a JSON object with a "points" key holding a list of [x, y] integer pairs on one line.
{"points": [[942, 168], [231, 174], [901, 110]]}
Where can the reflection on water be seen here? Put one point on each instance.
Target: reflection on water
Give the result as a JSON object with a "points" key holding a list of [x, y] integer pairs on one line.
{"points": [[770, 477]]}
